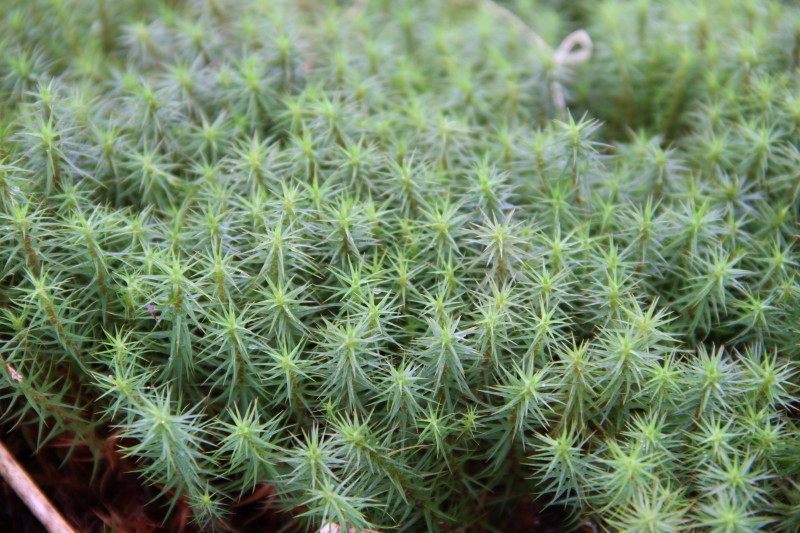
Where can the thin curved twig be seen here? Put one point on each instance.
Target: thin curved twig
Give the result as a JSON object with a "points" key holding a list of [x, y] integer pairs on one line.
{"points": [[576, 48]]}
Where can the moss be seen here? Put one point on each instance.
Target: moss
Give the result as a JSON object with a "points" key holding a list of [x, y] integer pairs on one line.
{"points": [[351, 252]]}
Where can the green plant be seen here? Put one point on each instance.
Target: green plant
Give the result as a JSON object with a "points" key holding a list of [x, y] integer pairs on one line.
{"points": [[348, 251]]}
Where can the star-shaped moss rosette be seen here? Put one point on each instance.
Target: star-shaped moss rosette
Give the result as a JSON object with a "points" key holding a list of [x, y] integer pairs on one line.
{"points": [[359, 255]]}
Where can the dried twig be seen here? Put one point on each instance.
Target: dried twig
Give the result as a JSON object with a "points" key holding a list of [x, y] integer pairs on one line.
{"points": [[575, 49], [37, 502]]}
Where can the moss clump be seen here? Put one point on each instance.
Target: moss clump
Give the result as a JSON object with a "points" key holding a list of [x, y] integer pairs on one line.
{"points": [[353, 253]]}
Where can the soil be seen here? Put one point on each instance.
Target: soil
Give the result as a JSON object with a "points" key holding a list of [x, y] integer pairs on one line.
{"points": [[108, 496]]}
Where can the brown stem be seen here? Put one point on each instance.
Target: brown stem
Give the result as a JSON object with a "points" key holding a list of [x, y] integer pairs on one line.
{"points": [[26, 489]]}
